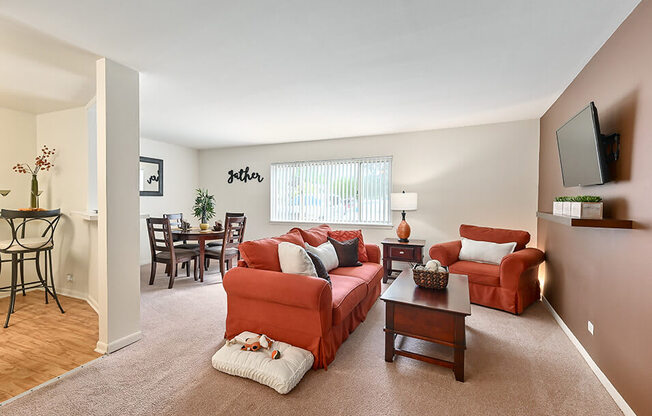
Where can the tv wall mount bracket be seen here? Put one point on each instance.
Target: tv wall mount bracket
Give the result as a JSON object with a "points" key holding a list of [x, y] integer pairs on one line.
{"points": [[611, 145]]}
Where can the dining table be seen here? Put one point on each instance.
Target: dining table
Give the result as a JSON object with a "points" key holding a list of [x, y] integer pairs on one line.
{"points": [[201, 237]]}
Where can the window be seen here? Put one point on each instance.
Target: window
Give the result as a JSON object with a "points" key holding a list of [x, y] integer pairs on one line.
{"points": [[349, 191]]}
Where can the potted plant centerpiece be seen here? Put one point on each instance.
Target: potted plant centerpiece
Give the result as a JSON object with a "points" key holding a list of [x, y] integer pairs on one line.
{"points": [[204, 208]]}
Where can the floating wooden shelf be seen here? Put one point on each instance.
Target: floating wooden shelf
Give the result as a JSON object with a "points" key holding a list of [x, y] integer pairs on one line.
{"points": [[582, 222]]}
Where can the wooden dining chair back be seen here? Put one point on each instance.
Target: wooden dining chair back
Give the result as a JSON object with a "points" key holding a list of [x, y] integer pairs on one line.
{"points": [[163, 250], [234, 229], [160, 237], [176, 220], [38, 240]]}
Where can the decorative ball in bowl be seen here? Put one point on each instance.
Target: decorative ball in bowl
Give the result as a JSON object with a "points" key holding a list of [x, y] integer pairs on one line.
{"points": [[430, 276]]}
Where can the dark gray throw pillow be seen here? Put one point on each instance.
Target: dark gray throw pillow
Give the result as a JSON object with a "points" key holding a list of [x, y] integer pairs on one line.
{"points": [[347, 252], [319, 267]]}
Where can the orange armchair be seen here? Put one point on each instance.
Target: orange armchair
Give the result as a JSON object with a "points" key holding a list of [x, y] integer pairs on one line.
{"points": [[511, 286]]}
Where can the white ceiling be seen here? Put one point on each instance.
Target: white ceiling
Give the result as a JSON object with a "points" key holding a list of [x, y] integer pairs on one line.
{"points": [[39, 74], [226, 73]]}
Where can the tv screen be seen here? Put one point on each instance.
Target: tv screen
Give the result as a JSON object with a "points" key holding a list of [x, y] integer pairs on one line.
{"points": [[581, 152]]}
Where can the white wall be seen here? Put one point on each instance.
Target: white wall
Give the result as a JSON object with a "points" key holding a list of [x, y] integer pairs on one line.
{"points": [[483, 175], [118, 134], [66, 187], [180, 179], [18, 144]]}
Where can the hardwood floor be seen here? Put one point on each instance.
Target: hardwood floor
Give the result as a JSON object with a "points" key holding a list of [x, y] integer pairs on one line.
{"points": [[41, 343]]}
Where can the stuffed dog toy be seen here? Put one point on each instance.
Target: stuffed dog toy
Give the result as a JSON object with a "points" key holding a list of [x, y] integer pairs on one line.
{"points": [[258, 343]]}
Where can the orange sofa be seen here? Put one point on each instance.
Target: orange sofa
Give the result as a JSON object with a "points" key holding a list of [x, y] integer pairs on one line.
{"points": [[300, 310], [511, 286]]}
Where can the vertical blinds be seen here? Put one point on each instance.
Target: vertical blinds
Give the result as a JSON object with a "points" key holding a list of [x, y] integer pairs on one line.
{"points": [[350, 191]]}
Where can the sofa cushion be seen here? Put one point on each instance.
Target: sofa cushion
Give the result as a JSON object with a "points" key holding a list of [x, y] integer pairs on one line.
{"points": [[322, 273], [295, 260], [314, 236], [263, 254], [480, 273], [348, 292], [347, 252], [326, 253], [341, 235], [495, 235], [369, 272]]}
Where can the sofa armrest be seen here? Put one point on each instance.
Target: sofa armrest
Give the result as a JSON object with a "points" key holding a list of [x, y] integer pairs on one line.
{"points": [[286, 289], [446, 253], [373, 253], [513, 265]]}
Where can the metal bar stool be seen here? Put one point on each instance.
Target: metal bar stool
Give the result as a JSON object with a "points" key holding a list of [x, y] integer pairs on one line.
{"points": [[43, 222]]}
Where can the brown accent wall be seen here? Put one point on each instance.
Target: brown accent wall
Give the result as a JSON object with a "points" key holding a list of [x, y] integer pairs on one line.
{"points": [[605, 275]]}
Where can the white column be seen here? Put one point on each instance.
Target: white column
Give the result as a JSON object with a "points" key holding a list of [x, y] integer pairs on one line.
{"points": [[118, 204]]}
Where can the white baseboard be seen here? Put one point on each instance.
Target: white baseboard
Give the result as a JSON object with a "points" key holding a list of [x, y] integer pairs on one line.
{"points": [[113, 346], [620, 402]]}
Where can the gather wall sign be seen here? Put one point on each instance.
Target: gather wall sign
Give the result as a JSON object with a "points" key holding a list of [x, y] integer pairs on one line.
{"points": [[243, 175]]}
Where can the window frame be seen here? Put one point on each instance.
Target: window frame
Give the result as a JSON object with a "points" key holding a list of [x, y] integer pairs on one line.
{"points": [[360, 160]]}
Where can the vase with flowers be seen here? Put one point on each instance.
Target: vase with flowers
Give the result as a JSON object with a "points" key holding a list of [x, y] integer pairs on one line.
{"points": [[42, 162]]}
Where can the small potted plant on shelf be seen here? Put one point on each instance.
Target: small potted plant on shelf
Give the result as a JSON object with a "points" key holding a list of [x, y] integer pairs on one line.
{"points": [[204, 208], [558, 206], [587, 207], [562, 206]]}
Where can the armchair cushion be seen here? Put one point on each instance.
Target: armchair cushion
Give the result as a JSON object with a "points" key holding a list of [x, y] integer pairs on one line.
{"points": [[495, 235], [480, 273]]}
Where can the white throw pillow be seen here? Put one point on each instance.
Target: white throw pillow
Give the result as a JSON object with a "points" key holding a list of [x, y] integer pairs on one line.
{"points": [[485, 251], [326, 253], [282, 375], [295, 260]]}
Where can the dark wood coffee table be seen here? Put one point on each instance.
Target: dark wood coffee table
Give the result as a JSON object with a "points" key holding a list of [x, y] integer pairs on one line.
{"points": [[431, 315]]}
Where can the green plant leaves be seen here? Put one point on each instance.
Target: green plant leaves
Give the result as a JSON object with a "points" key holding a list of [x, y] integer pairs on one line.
{"points": [[579, 198], [204, 208]]}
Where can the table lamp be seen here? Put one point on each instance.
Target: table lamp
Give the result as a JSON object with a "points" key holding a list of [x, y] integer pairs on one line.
{"points": [[404, 202]]}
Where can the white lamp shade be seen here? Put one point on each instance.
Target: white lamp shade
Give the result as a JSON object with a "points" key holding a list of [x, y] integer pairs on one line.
{"points": [[404, 201]]}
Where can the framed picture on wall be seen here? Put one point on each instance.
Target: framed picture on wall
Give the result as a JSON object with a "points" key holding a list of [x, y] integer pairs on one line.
{"points": [[151, 176]]}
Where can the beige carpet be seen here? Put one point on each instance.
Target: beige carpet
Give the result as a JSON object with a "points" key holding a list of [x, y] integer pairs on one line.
{"points": [[514, 366]]}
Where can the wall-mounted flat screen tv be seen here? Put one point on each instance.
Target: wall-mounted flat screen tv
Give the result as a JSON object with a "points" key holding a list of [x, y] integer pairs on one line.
{"points": [[582, 151]]}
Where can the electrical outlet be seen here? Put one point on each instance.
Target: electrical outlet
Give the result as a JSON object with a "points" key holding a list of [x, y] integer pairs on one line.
{"points": [[69, 277], [590, 327]]}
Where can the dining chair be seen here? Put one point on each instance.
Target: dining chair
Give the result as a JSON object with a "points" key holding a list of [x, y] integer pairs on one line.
{"points": [[219, 243], [176, 220], [164, 251], [234, 229], [39, 239], [226, 217]]}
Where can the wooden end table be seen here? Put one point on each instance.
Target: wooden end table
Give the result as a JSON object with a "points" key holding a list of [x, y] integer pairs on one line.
{"points": [[394, 250], [431, 315]]}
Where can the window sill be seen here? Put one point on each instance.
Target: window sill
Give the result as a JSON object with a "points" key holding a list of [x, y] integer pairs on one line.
{"points": [[346, 224]]}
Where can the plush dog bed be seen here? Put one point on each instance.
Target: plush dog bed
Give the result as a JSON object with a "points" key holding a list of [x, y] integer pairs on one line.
{"points": [[281, 374]]}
